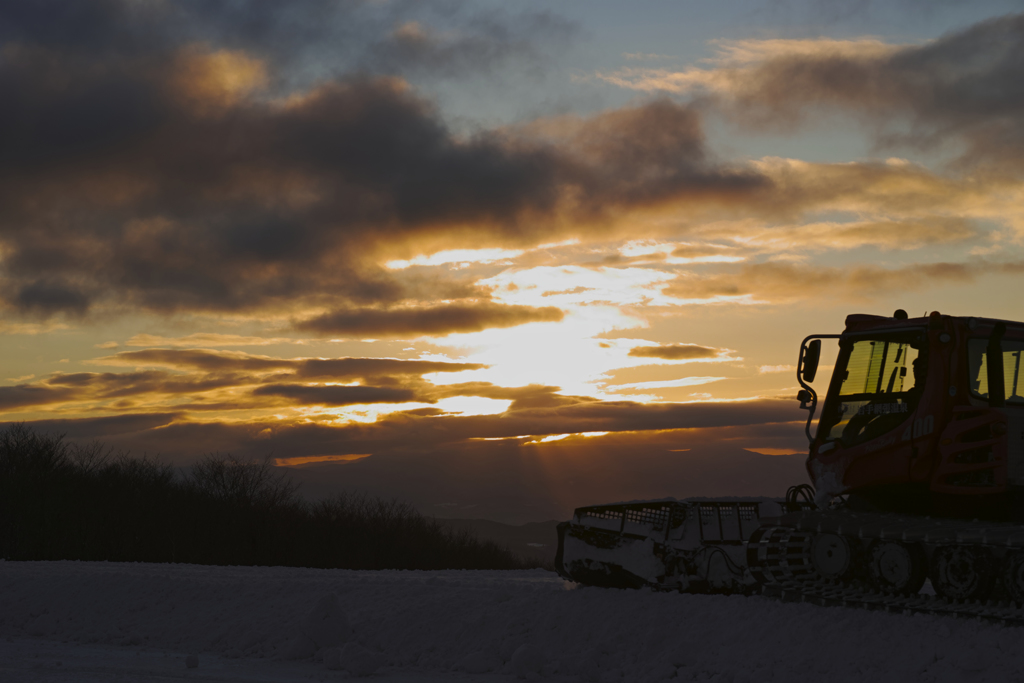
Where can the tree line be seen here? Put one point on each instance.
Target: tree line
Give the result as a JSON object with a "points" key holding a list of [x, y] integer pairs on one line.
{"points": [[64, 501]]}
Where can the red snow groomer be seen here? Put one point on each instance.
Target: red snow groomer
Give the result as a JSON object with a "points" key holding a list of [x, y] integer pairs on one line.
{"points": [[918, 471]]}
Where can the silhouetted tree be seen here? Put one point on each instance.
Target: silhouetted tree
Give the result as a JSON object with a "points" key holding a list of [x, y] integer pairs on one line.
{"points": [[60, 500]]}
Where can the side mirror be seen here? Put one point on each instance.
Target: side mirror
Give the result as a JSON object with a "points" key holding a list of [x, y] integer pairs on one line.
{"points": [[809, 362], [804, 397]]}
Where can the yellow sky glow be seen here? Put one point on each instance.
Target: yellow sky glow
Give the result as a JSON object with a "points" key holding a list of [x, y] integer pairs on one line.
{"points": [[268, 245], [456, 256]]}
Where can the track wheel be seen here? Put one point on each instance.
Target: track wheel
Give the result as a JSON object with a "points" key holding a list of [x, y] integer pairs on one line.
{"points": [[962, 572], [831, 556], [896, 567], [1013, 576]]}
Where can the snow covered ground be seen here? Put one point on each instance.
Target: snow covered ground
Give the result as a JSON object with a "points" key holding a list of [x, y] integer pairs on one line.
{"points": [[85, 622]]}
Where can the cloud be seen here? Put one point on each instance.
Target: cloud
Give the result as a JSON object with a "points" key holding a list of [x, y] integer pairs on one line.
{"points": [[375, 367], [964, 86], [873, 195], [221, 196], [434, 321], [370, 37], [235, 361], [201, 359], [666, 384], [169, 176], [221, 381], [890, 234], [640, 157], [177, 437], [202, 339], [779, 281], [22, 396], [477, 46], [697, 252], [767, 369], [85, 391], [736, 59], [335, 395], [102, 428], [676, 352]]}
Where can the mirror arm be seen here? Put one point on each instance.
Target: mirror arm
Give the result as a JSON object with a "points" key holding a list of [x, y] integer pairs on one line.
{"points": [[808, 395]]}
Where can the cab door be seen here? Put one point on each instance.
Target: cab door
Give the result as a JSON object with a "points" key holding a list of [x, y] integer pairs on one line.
{"points": [[999, 438]]}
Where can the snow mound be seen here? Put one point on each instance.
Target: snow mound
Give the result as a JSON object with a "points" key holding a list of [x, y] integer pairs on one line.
{"points": [[359, 661], [326, 624], [527, 660], [477, 663]]}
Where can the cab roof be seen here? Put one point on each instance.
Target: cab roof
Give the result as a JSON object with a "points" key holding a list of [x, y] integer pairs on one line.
{"points": [[864, 322]]}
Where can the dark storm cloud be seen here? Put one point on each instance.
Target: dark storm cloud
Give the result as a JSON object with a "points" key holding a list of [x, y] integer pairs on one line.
{"points": [[965, 87], [675, 352], [371, 37], [142, 167], [435, 321], [51, 297], [642, 156]]}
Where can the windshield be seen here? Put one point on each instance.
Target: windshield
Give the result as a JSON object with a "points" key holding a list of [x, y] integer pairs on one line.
{"points": [[978, 367], [883, 377]]}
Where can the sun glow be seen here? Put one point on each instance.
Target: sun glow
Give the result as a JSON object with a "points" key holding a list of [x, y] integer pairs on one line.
{"points": [[312, 459], [775, 451], [454, 405], [564, 354], [559, 437], [473, 405], [569, 354], [567, 285]]}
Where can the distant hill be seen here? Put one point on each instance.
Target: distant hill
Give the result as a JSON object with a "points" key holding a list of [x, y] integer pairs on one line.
{"points": [[518, 484], [532, 541]]}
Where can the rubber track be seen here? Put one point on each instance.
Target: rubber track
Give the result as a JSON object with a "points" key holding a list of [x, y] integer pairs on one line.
{"points": [[831, 595], [779, 558]]}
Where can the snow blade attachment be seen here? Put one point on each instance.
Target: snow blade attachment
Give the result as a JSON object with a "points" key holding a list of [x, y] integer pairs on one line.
{"points": [[689, 545]]}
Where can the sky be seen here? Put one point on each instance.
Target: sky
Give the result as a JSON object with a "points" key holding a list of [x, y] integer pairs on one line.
{"points": [[336, 230]]}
